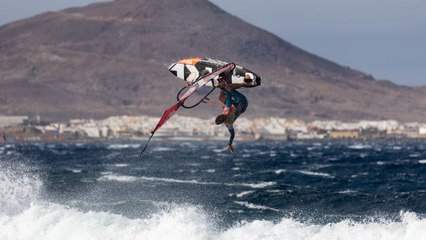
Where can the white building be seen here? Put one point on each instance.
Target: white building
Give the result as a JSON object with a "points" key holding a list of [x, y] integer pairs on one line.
{"points": [[11, 120], [422, 130]]}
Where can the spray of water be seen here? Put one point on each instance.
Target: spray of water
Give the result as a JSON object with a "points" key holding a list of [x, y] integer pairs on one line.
{"points": [[20, 185]]}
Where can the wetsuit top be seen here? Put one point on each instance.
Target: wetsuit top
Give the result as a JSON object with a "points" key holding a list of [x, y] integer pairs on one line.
{"points": [[233, 97]]}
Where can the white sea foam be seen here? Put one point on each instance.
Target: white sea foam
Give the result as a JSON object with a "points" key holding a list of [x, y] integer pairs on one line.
{"points": [[108, 176], [255, 206], [245, 193], [423, 161], [409, 227], [278, 191], [279, 171], [74, 170], [360, 146], [19, 186], [118, 178], [263, 153], [347, 191], [58, 222], [171, 180], [44, 221], [258, 185], [121, 165], [124, 178], [53, 221], [319, 174], [360, 174], [193, 164], [162, 149], [122, 146]]}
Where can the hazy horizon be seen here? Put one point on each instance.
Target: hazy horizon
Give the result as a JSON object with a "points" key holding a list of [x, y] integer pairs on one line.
{"points": [[381, 38]]}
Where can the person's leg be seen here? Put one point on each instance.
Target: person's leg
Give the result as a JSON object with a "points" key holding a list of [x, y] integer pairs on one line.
{"points": [[240, 108]]}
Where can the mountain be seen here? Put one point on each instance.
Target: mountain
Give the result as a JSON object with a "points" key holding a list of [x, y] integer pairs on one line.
{"points": [[111, 58]]}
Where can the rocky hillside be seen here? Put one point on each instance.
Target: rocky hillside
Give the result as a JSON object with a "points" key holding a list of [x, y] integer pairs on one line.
{"points": [[112, 58]]}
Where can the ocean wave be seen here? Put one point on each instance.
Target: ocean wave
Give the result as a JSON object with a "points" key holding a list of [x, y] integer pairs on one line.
{"points": [[43, 220], [408, 227], [53, 221]]}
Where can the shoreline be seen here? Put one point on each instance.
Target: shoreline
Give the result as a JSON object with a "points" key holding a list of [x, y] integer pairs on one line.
{"points": [[179, 128]]}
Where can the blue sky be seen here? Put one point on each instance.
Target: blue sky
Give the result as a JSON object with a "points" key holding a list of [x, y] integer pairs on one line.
{"points": [[385, 38]]}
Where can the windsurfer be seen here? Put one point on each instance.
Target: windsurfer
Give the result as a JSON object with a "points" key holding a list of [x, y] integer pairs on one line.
{"points": [[235, 104]]}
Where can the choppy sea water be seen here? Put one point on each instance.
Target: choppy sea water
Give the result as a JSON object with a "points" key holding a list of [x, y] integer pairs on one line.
{"points": [[196, 190]]}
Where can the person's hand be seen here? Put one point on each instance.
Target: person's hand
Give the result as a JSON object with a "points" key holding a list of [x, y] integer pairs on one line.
{"points": [[230, 149], [222, 84]]}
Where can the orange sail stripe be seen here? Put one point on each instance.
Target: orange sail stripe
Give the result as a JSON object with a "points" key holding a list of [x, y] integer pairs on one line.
{"points": [[190, 61]]}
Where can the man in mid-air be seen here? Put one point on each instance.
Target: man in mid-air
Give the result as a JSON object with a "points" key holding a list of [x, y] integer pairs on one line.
{"points": [[235, 104]]}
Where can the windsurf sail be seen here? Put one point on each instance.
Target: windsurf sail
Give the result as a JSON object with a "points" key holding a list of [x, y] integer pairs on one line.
{"points": [[202, 100], [198, 83]]}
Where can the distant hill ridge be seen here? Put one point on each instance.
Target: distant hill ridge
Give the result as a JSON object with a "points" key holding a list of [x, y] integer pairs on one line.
{"points": [[111, 58]]}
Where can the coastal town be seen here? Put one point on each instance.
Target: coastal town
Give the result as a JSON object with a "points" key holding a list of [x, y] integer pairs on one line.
{"points": [[26, 129]]}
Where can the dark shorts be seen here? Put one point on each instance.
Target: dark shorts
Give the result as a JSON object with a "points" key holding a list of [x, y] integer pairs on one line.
{"points": [[240, 108]]}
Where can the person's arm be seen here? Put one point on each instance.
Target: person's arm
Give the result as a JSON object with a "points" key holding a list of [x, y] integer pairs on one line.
{"points": [[239, 85]]}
